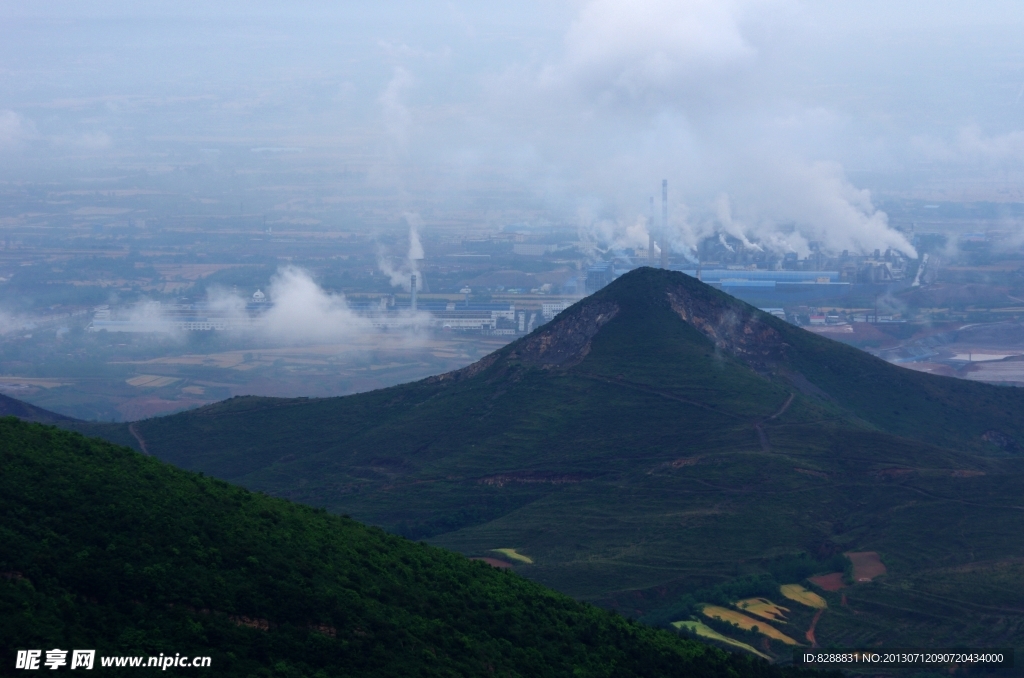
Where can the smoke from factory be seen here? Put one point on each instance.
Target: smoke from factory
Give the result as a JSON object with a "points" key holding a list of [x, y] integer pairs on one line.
{"points": [[664, 89], [401, 274], [577, 106]]}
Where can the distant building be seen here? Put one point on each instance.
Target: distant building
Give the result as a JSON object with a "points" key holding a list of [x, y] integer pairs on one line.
{"points": [[599, 275], [550, 309], [777, 312]]}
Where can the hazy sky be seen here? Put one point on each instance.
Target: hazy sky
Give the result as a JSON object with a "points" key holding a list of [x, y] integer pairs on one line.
{"points": [[769, 118]]}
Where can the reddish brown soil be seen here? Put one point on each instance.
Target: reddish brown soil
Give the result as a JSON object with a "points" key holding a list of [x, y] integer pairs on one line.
{"points": [[810, 632], [829, 582], [866, 565], [494, 562]]}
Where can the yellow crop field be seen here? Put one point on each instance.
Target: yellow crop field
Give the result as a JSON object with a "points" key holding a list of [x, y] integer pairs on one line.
{"points": [[511, 553], [763, 608], [746, 623], [705, 631], [799, 594]]}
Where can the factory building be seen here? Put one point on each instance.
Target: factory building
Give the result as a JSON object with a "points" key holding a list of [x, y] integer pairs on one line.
{"points": [[777, 287], [198, 317], [550, 309], [599, 275]]}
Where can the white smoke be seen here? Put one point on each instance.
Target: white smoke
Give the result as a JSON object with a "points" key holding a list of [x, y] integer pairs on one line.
{"points": [[415, 245], [672, 89], [299, 311], [396, 116], [572, 103], [15, 322], [400, 274], [303, 312], [150, 317], [616, 235]]}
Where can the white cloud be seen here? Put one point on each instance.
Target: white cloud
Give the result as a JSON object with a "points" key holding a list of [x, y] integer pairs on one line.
{"points": [[652, 89], [629, 50], [396, 116], [972, 145]]}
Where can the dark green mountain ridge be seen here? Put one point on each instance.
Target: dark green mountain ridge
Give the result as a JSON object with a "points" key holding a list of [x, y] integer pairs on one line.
{"points": [[12, 407], [102, 548], [659, 438]]}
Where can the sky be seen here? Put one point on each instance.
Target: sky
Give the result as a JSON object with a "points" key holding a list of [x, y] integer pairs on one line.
{"points": [[779, 122]]}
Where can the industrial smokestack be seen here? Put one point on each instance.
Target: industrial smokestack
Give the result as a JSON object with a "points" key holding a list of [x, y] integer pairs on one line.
{"points": [[664, 223], [412, 286], [650, 235]]}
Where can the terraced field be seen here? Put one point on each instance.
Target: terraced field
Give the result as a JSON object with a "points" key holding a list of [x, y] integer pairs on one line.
{"points": [[799, 594], [511, 553], [746, 623], [763, 608], [704, 631]]}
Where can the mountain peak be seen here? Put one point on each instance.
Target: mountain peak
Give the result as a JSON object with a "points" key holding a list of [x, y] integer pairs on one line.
{"points": [[645, 295]]}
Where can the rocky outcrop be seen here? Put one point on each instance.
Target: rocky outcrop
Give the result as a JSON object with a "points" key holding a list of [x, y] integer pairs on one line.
{"points": [[467, 372], [566, 341], [731, 329]]}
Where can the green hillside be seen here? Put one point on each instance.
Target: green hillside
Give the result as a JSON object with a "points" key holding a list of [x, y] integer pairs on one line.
{"points": [[102, 548], [660, 440]]}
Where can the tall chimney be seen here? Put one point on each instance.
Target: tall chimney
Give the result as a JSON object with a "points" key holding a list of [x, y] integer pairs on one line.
{"points": [[650, 235], [412, 287], [664, 223]]}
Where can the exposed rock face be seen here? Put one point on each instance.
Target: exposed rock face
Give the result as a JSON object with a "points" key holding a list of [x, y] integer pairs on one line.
{"points": [[467, 372], [733, 330], [566, 341], [1001, 440]]}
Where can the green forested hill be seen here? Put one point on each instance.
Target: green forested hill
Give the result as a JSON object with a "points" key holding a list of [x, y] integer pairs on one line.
{"points": [[660, 439], [102, 548]]}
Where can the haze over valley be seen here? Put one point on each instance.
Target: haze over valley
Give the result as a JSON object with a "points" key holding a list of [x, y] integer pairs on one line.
{"points": [[708, 314]]}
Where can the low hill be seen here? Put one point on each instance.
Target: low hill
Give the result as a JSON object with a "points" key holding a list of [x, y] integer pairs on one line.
{"points": [[102, 548], [12, 407], [660, 439]]}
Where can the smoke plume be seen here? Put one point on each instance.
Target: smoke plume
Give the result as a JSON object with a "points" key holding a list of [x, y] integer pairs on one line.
{"points": [[400, 274]]}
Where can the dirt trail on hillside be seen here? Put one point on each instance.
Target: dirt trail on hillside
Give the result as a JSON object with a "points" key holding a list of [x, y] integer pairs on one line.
{"points": [[758, 426], [138, 436], [810, 632], [653, 391]]}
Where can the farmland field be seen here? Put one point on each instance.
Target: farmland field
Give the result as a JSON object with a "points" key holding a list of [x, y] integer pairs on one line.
{"points": [[799, 594], [705, 631], [763, 608], [866, 565], [828, 582], [746, 623], [511, 553]]}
